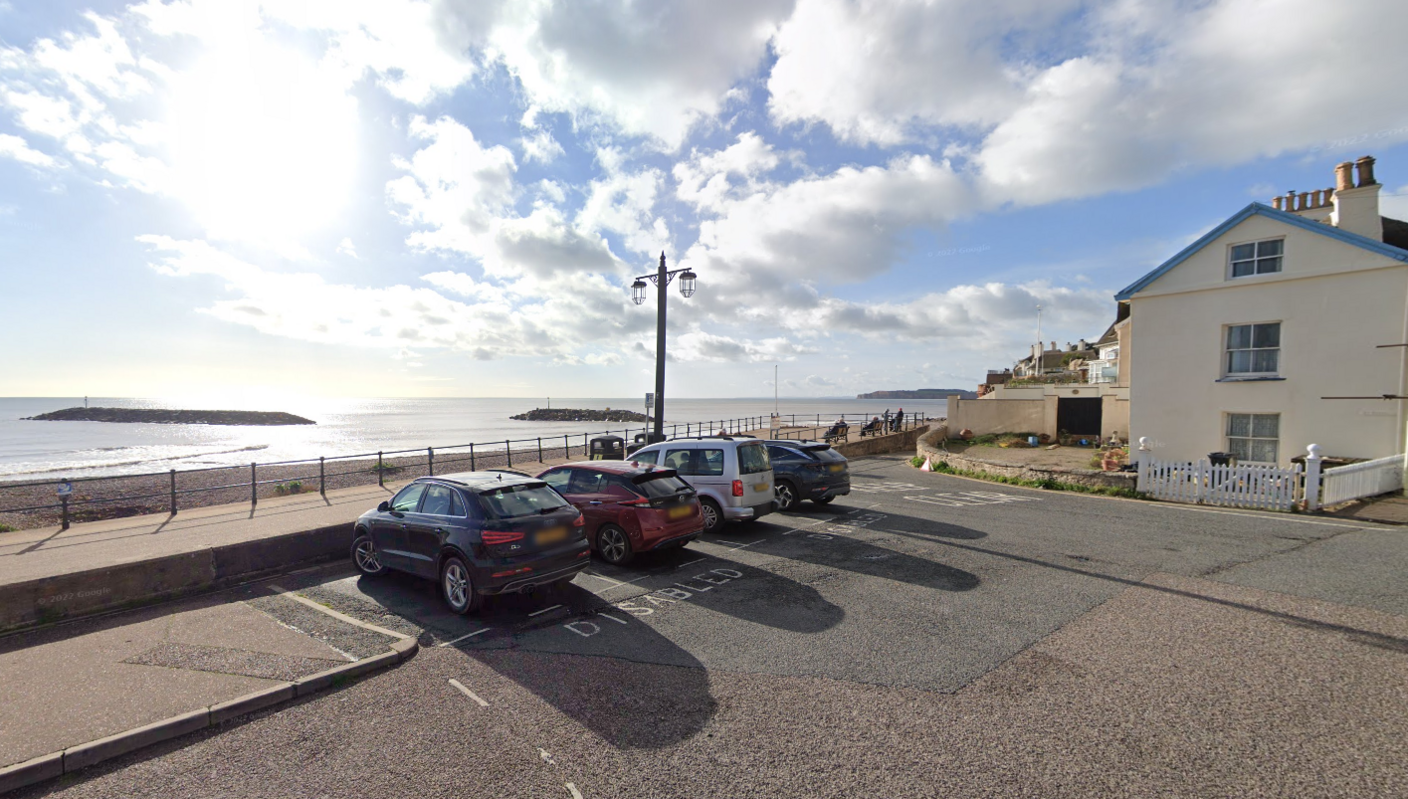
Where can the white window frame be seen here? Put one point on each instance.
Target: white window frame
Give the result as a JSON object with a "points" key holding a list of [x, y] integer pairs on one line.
{"points": [[1227, 350], [1257, 258], [1251, 433]]}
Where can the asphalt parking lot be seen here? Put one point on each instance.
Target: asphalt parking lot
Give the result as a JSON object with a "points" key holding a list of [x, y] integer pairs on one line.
{"points": [[927, 635]]}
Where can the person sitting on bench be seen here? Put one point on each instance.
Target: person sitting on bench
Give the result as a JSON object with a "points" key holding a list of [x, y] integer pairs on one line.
{"points": [[874, 427], [838, 430]]}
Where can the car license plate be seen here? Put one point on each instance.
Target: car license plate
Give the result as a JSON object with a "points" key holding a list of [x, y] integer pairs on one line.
{"points": [[552, 536], [761, 487], [837, 467], [680, 512]]}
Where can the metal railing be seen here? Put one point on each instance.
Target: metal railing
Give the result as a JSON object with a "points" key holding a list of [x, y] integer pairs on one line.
{"points": [[93, 498]]}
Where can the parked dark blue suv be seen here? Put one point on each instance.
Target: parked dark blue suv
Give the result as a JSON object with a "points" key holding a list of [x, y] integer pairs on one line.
{"points": [[807, 470], [477, 533]]}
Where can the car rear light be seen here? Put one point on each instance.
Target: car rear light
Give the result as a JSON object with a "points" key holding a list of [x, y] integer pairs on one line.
{"points": [[579, 521], [641, 501], [738, 488], [512, 572], [501, 537]]}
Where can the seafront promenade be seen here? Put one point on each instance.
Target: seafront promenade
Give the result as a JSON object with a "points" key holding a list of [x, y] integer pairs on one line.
{"points": [[50, 573]]}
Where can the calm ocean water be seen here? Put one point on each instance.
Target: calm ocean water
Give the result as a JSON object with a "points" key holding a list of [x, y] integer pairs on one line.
{"points": [[36, 450]]}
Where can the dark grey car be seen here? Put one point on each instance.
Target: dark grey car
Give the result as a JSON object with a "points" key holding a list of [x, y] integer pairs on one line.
{"points": [[807, 470], [476, 533]]}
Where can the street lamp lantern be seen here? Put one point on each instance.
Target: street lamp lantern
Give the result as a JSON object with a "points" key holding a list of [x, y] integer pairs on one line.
{"points": [[661, 278]]}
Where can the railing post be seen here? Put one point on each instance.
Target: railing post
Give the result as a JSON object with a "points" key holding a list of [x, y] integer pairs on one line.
{"points": [[253, 485], [471, 456], [380, 471], [63, 512], [1312, 477], [430, 459], [508, 450], [540, 449], [322, 477], [566, 447], [173, 492]]}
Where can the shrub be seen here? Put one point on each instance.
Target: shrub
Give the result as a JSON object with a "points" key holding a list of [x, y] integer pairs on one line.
{"points": [[5, 528]]}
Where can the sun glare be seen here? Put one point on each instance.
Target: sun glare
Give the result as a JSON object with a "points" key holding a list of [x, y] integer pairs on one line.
{"points": [[265, 143]]}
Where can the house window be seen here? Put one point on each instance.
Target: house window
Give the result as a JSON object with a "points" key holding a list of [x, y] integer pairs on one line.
{"points": [[1257, 258], [1253, 349], [1253, 436]]}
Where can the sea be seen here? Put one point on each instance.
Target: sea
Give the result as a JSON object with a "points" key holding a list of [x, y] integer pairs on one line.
{"points": [[34, 450]]}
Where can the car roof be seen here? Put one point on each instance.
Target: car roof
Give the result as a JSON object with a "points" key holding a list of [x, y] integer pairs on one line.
{"points": [[795, 444], [615, 467], [485, 479]]}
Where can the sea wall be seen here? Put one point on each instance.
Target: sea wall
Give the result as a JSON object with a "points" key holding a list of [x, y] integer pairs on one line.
{"points": [[880, 445]]}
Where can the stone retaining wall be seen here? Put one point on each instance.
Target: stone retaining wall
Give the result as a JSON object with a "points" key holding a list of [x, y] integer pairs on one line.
{"points": [[881, 445], [928, 446]]}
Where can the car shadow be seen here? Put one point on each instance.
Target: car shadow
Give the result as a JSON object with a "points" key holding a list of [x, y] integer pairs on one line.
{"points": [[719, 584], [905, 524], [616, 676]]}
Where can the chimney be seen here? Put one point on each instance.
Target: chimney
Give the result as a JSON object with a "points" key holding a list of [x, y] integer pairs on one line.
{"points": [[1356, 206]]}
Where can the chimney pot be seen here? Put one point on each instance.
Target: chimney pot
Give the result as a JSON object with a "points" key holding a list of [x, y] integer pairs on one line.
{"points": [[1276, 202], [1343, 177], [1365, 166]]}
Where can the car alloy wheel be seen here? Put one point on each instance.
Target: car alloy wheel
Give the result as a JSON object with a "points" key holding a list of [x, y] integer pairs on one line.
{"points": [[786, 496], [456, 587], [613, 545], [365, 557], [713, 517]]}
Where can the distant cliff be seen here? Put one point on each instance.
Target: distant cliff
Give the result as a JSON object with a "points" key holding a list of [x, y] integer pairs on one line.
{"points": [[167, 416], [920, 394]]}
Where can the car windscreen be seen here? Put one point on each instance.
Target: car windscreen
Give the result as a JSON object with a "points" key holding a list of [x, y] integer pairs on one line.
{"points": [[659, 484], [825, 454], [524, 499], [753, 458]]}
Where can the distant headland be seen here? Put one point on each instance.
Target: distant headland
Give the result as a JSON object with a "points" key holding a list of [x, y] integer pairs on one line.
{"points": [[579, 415], [920, 394], [169, 416]]}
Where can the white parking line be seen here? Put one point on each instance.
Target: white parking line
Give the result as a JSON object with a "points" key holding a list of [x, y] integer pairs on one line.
{"points": [[544, 610], [737, 545], [339, 616], [468, 693], [462, 637], [691, 563], [613, 618], [603, 579], [572, 789]]}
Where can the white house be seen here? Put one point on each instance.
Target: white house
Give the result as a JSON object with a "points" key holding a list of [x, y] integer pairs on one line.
{"points": [[1105, 368], [1249, 339]]}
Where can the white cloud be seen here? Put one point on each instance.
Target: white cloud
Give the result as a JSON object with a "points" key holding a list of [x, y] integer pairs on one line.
{"points": [[1166, 87], [346, 247], [18, 149], [886, 71], [623, 202], [540, 147], [645, 70]]}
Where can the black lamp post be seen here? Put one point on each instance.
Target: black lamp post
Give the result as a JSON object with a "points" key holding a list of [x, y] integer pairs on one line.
{"points": [[661, 279]]}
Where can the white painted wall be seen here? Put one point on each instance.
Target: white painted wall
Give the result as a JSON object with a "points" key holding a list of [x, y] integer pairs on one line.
{"points": [[1336, 304]]}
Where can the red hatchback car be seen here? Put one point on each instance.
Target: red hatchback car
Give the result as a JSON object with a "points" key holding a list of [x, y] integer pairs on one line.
{"points": [[629, 507]]}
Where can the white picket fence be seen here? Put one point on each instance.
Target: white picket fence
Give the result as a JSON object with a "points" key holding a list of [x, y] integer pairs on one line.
{"points": [[1266, 486], [1367, 479], [1248, 485]]}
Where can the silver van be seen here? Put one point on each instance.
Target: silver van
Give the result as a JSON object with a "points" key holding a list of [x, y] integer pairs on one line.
{"points": [[732, 475]]}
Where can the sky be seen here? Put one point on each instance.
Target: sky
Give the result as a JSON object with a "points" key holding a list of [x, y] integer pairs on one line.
{"points": [[452, 198]]}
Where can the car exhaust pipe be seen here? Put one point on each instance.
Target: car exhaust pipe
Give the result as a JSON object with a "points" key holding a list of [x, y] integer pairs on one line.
{"points": [[528, 589]]}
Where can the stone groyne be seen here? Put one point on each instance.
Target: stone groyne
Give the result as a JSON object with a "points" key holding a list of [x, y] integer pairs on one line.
{"points": [[169, 416]]}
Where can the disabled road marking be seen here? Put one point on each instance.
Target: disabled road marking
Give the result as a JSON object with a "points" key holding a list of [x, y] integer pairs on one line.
{"points": [[468, 693]]}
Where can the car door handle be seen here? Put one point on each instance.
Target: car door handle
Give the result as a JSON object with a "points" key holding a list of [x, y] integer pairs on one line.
{"points": [[594, 502], [439, 531]]}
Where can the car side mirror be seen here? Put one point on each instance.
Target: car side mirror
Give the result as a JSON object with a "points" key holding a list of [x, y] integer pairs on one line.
{"points": [[384, 506]]}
